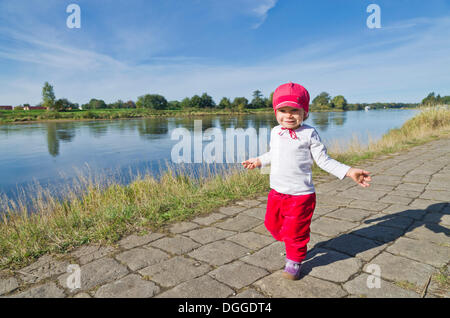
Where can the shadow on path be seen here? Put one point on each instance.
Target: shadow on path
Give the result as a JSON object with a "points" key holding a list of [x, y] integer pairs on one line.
{"points": [[386, 229]]}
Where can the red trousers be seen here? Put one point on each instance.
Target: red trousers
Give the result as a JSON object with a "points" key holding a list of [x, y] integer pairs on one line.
{"points": [[288, 218]]}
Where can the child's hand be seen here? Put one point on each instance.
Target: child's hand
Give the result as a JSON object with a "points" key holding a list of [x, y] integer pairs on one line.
{"points": [[252, 163], [360, 176]]}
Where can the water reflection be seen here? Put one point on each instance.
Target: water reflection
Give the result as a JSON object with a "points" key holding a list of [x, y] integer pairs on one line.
{"points": [[98, 129], [151, 128], [322, 121], [55, 134]]}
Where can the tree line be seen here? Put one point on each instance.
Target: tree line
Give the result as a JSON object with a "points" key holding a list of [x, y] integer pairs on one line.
{"points": [[325, 102], [322, 102], [432, 99], [156, 102]]}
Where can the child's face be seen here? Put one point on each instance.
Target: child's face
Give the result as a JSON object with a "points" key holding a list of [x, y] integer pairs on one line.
{"points": [[290, 117]]}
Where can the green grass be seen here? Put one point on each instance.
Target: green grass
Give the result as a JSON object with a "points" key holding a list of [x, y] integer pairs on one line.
{"points": [[103, 211], [20, 116], [442, 278]]}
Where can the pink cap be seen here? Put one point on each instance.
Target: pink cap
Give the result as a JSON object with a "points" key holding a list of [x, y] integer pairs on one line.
{"points": [[292, 95]]}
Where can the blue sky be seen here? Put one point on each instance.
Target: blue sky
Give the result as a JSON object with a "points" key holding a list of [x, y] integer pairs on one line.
{"points": [[180, 48]]}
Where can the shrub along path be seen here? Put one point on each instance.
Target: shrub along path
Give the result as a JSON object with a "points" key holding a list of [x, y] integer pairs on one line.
{"points": [[390, 240]]}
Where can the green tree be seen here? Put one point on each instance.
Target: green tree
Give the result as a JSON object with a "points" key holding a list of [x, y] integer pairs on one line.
{"points": [[225, 103], [95, 104], [321, 101], [339, 102], [116, 105], [429, 100], [174, 104], [258, 100], [186, 103], [206, 101], [63, 104], [196, 101], [48, 96], [269, 101], [240, 103], [153, 101]]}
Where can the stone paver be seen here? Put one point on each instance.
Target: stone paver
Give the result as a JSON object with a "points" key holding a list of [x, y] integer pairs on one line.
{"points": [[438, 195], [232, 210], [97, 273], [139, 240], [208, 234], [257, 212], [355, 246], [330, 265], [182, 227], [422, 251], [131, 286], [139, 257], [396, 221], [89, 253], [239, 223], [378, 232], [352, 215], [400, 269], [8, 285], [307, 287], [430, 232], [405, 211], [208, 220], [270, 257], [396, 199], [176, 245], [438, 218], [49, 290], [202, 287], [45, 267], [400, 225], [251, 240], [175, 271], [331, 227], [249, 293], [363, 195], [238, 274], [219, 253], [368, 205], [359, 286]]}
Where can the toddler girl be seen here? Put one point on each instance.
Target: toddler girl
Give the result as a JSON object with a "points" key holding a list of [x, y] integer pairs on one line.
{"points": [[292, 199]]}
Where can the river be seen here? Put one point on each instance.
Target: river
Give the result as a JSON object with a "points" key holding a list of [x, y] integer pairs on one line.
{"points": [[51, 153]]}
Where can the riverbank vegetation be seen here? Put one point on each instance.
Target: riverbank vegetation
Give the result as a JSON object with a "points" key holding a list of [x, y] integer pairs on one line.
{"points": [[154, 105], [104, 211], [325, 102]]}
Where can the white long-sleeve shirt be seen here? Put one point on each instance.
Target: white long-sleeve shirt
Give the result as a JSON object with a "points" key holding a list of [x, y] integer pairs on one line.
{"points": [[291, 160]]}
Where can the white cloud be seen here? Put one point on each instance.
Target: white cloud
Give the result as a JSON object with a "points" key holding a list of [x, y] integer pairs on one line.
{"points": [[262, 10]]}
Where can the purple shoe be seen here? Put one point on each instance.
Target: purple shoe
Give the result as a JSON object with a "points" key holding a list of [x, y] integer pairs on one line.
{"points": [[292, 270]]}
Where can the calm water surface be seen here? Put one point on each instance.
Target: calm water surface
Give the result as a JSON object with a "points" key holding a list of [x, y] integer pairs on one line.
{"points": [[52, 153]]}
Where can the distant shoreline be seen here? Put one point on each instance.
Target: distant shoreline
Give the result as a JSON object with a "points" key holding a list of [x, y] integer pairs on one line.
{"points": [[25, 117]]}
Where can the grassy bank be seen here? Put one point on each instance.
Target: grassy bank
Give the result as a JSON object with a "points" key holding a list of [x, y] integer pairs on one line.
{"points": [[94, 213], [22, 116]]}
